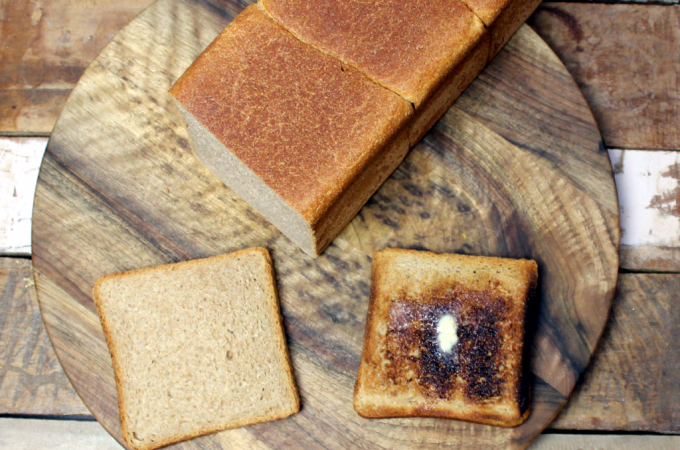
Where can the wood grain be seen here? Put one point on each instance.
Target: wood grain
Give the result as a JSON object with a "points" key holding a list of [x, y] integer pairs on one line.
{"points": [[120, 189], [52, 42], [31, 434], [633, 382], [31, 379], [604, 442], [647, 184], [626, 60]]}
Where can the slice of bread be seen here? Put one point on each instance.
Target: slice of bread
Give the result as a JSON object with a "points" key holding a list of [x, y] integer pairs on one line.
{"points": [[445, 338], [197, 347], [300, 136]]}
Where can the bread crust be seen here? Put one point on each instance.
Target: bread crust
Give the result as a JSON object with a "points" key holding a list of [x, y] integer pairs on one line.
{"points": [[487, 10], [508, 21], [450, 89], [409, 47], [502, 18], [402, 375], [303, 122], [114, 351]]}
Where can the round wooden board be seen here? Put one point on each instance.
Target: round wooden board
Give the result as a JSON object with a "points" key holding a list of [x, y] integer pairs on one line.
{"points": [[516, 168]]}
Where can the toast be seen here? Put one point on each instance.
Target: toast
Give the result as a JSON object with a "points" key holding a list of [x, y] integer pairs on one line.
{"points": [[197, 347], [302, 137], [445, 337]]}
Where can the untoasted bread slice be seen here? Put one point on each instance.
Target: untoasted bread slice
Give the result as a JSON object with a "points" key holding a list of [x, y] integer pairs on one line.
{"points": [[197, 347], [445, 338]]}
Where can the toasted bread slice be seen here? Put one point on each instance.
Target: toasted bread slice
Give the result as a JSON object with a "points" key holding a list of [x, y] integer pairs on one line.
{"points": [[302, 137], [197, 347], [445, 338], [411, 47]]}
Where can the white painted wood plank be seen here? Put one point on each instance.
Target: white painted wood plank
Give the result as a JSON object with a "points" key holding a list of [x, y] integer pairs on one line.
{"points": [[604, 442], [20, 160], [648, 184], [35, 434]]}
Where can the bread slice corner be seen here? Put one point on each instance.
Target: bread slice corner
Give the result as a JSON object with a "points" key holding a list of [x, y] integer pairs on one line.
{"points": [[445, 337], [197, 347]]}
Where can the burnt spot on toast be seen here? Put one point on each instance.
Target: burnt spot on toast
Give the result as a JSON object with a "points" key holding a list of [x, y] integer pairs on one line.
{"points": [[480, 351], [473, 368]]}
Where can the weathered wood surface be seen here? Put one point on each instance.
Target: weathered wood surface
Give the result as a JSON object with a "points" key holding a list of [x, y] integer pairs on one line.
{"points": [[119, 188], [627, 2], [31, 379], [629, 54], [19, 163], [46, 46], [634, 381], [626, 60], [648, 185], [604, 442], [35, 434], [31, 434]]}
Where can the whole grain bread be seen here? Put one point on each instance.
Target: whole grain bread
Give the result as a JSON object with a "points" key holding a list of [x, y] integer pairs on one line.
{"points": [[445, 337], [304, 138], [197, 347]]}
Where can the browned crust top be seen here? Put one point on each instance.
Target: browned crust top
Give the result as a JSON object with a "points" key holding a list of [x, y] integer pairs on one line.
{"points": [[404, 373], [299, 119], [408, 46], [488, 10]]}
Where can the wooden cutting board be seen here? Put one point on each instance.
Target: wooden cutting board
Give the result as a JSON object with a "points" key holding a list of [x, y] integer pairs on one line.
{"points": [[516, 168]]}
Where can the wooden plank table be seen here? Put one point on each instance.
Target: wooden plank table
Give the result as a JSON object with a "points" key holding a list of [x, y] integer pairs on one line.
{"points": [[624, 57]]}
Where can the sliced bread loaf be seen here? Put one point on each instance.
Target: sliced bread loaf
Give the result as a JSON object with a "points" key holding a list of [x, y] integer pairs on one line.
{"points": [[445, 338], [302, 137], [197, 347]]}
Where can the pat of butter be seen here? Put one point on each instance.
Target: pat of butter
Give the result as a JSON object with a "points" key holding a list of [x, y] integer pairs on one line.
{"points": [[447, 333]]}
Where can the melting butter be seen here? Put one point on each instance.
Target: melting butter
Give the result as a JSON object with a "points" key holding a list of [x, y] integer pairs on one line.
{"points": [[447, 333]]}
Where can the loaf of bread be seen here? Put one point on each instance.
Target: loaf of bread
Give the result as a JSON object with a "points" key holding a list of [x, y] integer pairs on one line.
{"points": [[445, 337], [197, 347], [301, 136], [305, 107]]}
